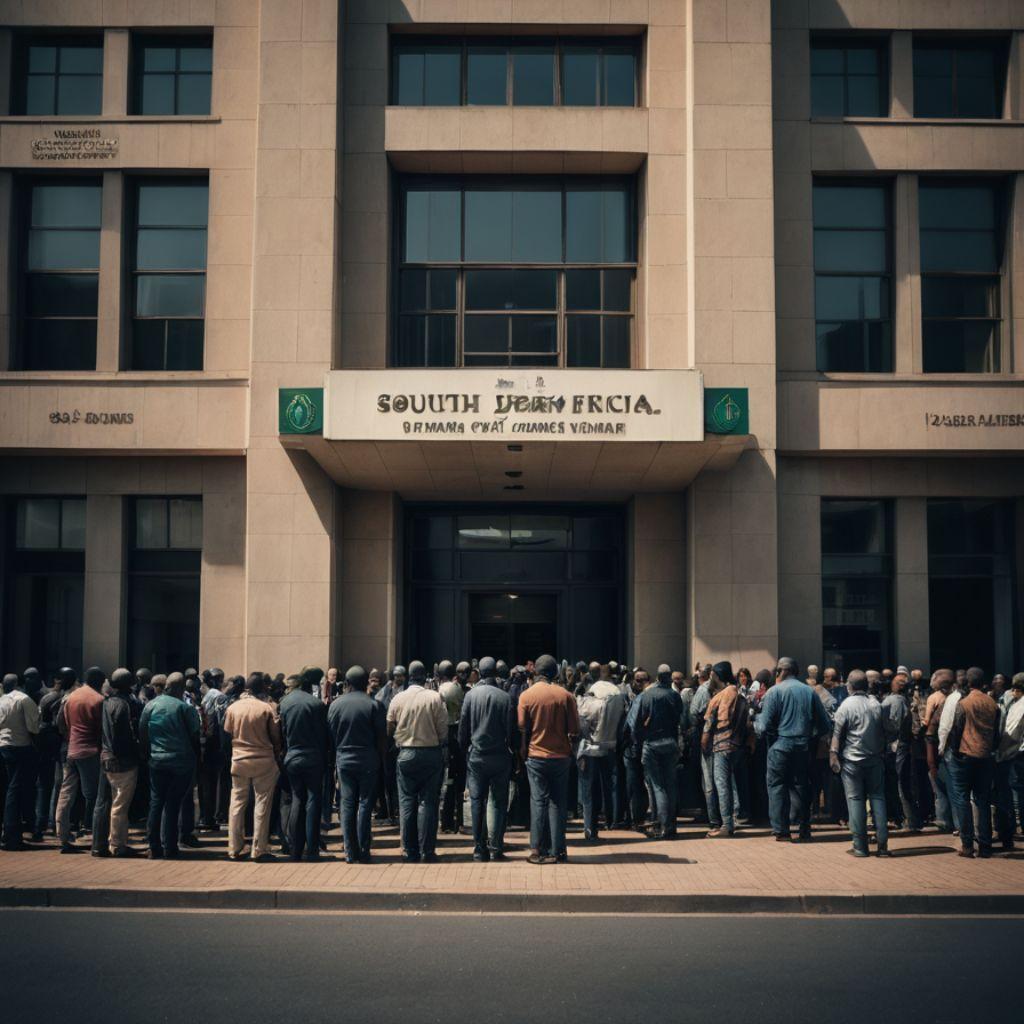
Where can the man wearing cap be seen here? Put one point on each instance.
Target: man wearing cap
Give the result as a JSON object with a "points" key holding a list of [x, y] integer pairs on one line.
{"points": [[792, 718], [19, 728], [452, 689], [81, 720], [358, 734], [548, 723], [169, 735], [725, 734], [486, 733], [119, 760], [658, 714], [899, 766], [418, 721]]}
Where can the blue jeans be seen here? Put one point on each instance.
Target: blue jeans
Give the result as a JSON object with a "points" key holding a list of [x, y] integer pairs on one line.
{"points": [[22, 764], [972, 782], [635, 791], [1003, 787], [707, 775], [549, 803], [420, 775], [659, 760], [601, 774], [724, 766], [167, 790], [357, 782], [488, 775], [789, 789], [944, 815], [81, 774], [303, 824], [864, 782]]}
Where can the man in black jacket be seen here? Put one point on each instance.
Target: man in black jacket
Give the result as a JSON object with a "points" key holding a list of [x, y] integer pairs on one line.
{"points": [[119, 760], [49, 751]]}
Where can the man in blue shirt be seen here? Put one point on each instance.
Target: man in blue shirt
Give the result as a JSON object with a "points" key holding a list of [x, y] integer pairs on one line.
{"points": [[659, 710], [792, 718]]}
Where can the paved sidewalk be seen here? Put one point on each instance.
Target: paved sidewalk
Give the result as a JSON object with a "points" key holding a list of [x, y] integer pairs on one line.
{"points": [[622, 872]]}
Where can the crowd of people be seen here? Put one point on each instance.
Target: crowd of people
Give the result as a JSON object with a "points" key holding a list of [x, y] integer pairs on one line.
{"points": [[532, 745]]}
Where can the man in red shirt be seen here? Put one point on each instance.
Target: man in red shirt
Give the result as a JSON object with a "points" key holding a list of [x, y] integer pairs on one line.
{"points": [[81, 720]]}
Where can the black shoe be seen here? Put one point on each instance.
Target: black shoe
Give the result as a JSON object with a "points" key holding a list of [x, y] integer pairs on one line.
{"points": [[70, 848], [883, 850], [264, 858], [590, 837], [365, 858], [782, 837], [191, 842], [126, 852], [37, 837], [172, 854], [430, 858], [1009, 846], [311, 858], [498, 855], [411, 858], [562, 858], [985, 852], [482, 856], [156, 854], [100, 853]]}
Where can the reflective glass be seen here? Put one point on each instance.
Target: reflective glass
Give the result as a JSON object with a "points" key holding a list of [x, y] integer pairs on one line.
{"points": [[59, 345], [408, 87], [63, 250], [442, 289], [536, 226], [489, 225], [850, 250], [40, 94], [533, 77], [410, 349], [194, 94], [151, 523], [827, 60], [827, 96], [168, 204], [487, 75], [581, 76], [158, 58], [412, 290], [485, 334], [62, 294], [38, 526], [432, 225], [186, 523], [618, 289], [443, 77], [863, 97], [169, 295], [157, 94], [81, 60], [961, 346], [619, 78], [474, 532], [441, 340], [79, 94], [966, 251], [850, 206], [854, 528], [170, 249], [960, 296], [66, 206], [851, 298], [42, 58], [583, 289], [615, 350], [72, 524], [971, 206], [540, 533], [583, 336], [535, 334], [196, 58]]}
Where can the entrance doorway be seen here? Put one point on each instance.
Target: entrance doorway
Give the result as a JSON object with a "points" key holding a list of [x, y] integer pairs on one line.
{"points": [[513, 627]]}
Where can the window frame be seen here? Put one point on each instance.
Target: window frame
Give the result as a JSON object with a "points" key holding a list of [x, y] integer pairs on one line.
{"points": [[22, 41], [996, 42], [634, 43], [179, 40], [873, 41]]}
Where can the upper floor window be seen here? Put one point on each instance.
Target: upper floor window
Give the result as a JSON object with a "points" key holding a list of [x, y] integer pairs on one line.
{"points": [[169, 274], [57, 75], [60, 279], [50, 524], [530, 272], [172, 74], [849, 78], [525, 72], [852, 276], [959, 77], [961, 262]]}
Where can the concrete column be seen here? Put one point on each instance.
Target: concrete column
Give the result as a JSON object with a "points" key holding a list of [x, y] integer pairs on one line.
{"points": [[222, 583], [910, 597], [1013, 105], [906, 277], [7, 218], [5, 62], [116, 47], [108, 327], [103, 640], [901, 74], [1012, 345], [800, 612], [1017, 657]]}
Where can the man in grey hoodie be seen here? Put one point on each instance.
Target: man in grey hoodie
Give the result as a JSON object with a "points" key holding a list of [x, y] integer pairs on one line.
{"points": [[602, 711]]}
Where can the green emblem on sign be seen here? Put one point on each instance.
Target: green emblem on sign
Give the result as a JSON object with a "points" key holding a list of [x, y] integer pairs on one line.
{"points": [[300, 411], [726, 411]]}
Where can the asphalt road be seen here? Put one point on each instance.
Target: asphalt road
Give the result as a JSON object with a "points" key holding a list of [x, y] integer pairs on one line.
{"points": [[222, 968]]}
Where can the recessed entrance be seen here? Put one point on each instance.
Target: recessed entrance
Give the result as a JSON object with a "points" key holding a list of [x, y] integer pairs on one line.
{"points": [[512, 626]]}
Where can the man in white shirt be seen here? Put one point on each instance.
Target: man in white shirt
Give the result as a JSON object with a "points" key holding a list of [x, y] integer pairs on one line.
{"points": [[19, 727]]}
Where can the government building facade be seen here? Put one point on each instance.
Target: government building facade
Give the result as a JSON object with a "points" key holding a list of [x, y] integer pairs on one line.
{"points": [[648, 330]]}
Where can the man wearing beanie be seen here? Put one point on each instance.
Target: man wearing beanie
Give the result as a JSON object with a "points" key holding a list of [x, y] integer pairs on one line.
{"points": [[657, 730], [548, 723]]}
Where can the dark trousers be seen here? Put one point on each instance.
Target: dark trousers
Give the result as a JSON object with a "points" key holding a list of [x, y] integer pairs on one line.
{"points": [[329, 796], [101, 814], [307, 789], [636, 791], [168, 788], [659, 761], [1005, 775], [420, 774], [45, 775], [357, 780], [488, 775], [549, 799], [214, 791], [972, 783], [899, 767], [187, 822], [22, 765], [789, 790], [598, 785], [454, 783]]}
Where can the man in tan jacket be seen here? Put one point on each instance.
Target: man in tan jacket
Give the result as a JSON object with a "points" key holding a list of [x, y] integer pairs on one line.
{"points": [[255, 732]]}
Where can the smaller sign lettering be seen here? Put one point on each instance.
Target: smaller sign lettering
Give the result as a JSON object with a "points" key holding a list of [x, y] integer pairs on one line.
{"points": [[103, 419], [75, 144], [981, 419]]}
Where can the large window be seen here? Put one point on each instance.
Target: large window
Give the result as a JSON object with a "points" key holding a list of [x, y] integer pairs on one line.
{"points": [[172, 74], [60, 278], [970, 582], [524, 72], [535, 272], [45, 583], [959, 77], [56, 75], [961, 260], [856, 583], [164, 562], [849, 78], [169, 274], [852, 276]]}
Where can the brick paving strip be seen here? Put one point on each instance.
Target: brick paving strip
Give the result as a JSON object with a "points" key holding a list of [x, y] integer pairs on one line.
{"points": [[622, 873]]}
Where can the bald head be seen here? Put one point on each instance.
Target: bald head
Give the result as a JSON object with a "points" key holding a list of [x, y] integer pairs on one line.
{"points": [[175, 685], [357, 679], [787, 667], [857, 682]]}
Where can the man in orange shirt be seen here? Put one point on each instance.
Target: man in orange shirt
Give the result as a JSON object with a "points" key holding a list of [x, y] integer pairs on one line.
{"points": [[548, 723], [81, 721]]}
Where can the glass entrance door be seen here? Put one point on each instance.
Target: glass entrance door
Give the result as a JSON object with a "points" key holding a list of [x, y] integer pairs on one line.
{"points": [[512, 626]]}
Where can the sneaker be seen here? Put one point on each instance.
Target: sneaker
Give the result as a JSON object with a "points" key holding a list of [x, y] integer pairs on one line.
{"points": [[562, 858], [126, 852], [539, 858], [855, 852], [481, 856]]}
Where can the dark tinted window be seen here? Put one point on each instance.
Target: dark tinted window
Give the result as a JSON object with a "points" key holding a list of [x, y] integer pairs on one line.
{"points": [[172, 74], [427, 74], [959, 77], [849, 78], [58, 76]]}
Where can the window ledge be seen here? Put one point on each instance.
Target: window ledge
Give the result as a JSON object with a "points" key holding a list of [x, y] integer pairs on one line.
{"points": [[143, 377], [110, 119], [903, 122], [918, 379]]}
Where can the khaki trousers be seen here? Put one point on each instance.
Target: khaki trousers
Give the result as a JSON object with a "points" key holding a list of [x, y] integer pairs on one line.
{"points": [[263, 777], [122, 789]]}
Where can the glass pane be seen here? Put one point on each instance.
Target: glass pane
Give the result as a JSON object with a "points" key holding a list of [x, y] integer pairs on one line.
{"points": [[63, 250], [864, 97], [442, 289], [595, 533], [533, 77], [81, 60], [38, 524], [933, 61], [960, 296], [163, 621], [618, 290], [615, 352], [475, 532], [535, 334], [967, 527], [583, 234], [62, 294], [149, 345], [60, 345], [408, 90], [540, 533], [977, 97], [443, 74], [863, 60], [583, 289], [533, 360], [489, 225], [619, 78], [151, 523], [411, 344], [194, 94], [42, 58], [196, 58], [184, 344], [511, 289], [827, 60], [853, 528], [157, 94], [72, 524], [487, 75], [39, 94], [173, 204], [537, 226], [412, 290], [432, 225], [169, 294], [170, 249], [850, 250], [583, 339], [66, 206], [432, 531], [186, 519], [485, 334], [827, 98], [971, 251], [79, 94], [851, 298], [501, 359], [535, 289], [971, 206], [961, 346], [618, 243], [158, 58], [580, 82], [854, 347], [441, 340], [850, 206]]}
